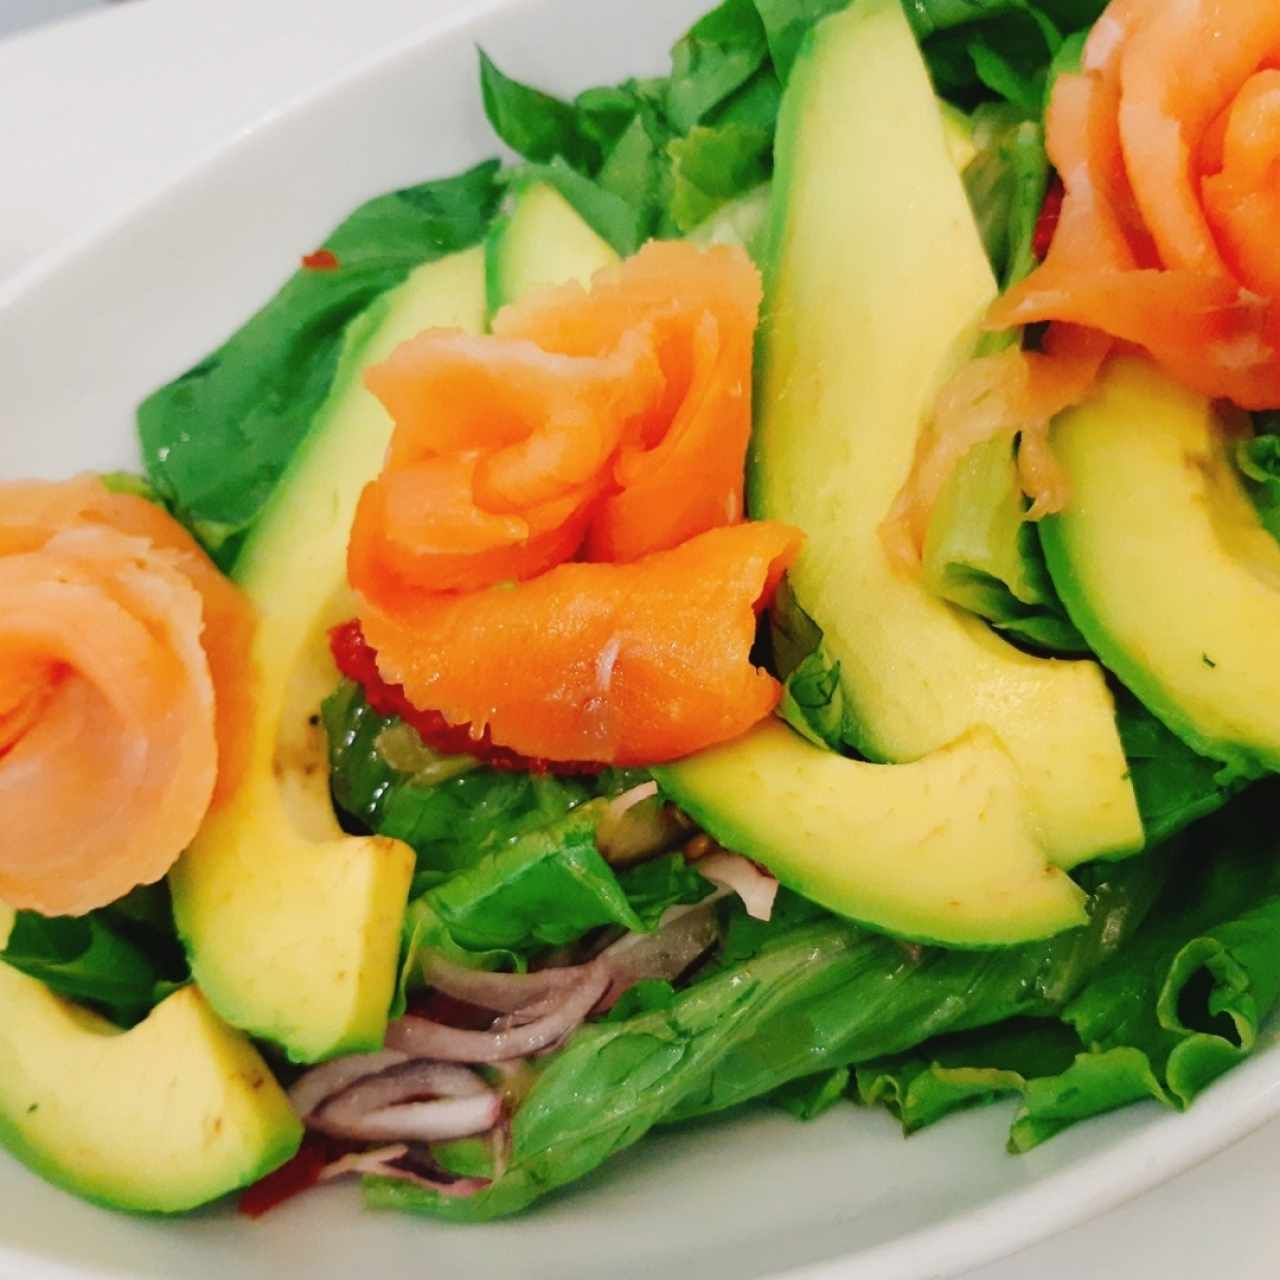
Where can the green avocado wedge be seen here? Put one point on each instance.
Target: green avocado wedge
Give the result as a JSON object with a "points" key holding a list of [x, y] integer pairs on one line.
{"points": [[1165, 566], [876, 280], [539, 240], [937, 851], [292, 925], [170, 1115]]}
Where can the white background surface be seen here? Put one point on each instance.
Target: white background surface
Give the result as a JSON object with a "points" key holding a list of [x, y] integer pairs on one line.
{"points": [[228, 66]]}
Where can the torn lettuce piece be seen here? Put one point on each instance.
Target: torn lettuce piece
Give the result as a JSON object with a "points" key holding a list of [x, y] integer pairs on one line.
{"points": [[450, 822], [719, 54], [1175, 786], [536, 125], [1258, 460], [812, 1096], [981, 553], [123, 959], [1160, 1019], [803, 994], [812, 701], [712, 165], [1006, 183]]}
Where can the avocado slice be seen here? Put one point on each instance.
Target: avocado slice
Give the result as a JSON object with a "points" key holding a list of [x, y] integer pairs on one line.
{"points": [[1165, 565], [293, 926], [540, 240], [939, 851], [174, 1113], [876, 281]]}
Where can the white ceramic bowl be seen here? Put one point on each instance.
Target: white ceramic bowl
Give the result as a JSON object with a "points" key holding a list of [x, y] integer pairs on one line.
{"points": [[83, 336]]}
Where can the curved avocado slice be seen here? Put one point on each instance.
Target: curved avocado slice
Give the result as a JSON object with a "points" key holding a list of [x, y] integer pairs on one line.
{"points": [[876, 282], [540, 240], [293, 926], [176, 1112], [940, 850], [1165, 566]]}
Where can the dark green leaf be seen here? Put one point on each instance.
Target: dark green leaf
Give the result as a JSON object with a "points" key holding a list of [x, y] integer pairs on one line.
{"points": [[644, 997], [124, 959], [713, 165], [1160, 1018], [550, 886], [1006, 183], [450, 822], [535, 124], [658, 883], [1259, 463], [787, 22], [718, 55], [1175, 786], [808, 1097], [216, 440]]}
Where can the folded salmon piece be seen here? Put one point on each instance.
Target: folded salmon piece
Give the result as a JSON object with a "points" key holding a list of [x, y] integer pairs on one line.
{"points": [[618, 664], [602, 424], [124, 690]]}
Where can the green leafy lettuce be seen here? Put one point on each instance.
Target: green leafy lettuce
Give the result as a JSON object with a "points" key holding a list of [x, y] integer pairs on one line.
{"points": [[451, 821], [217, 439], [1161, 1018], [122, 959], [804, 994]]}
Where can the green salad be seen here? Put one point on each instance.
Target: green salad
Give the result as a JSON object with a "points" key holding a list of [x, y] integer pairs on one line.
{"points": [[697, 616]]}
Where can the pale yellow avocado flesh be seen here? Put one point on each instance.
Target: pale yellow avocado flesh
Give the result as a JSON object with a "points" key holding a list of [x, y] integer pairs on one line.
{"points": [[292, 926], [1164, 565], [940, 850], [876, 282], [169, 1115], [540, 241]]}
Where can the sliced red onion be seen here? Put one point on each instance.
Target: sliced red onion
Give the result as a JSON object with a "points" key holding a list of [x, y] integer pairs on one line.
{"points": [[422, 1038], [457, 1188], [684, 936], [322, 1082], [418, 1101], [436, 1121], [628, 799], [732, 871], [501, 992], [632, 829], [380, 1163], [370, 1162]]}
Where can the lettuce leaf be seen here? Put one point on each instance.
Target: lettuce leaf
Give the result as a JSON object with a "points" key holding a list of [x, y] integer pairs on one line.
{"points": [[716, 56], [1258, 461], [804, 994], [534, 124], [123, 959], [712, 165], [548, 887], [1161, 1018], [217, 439], [450, 824]]}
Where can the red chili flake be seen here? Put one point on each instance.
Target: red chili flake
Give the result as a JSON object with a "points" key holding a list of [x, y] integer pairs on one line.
{"points": [[357, 660], [290, 1179], [1047, 223], [321, 260]]}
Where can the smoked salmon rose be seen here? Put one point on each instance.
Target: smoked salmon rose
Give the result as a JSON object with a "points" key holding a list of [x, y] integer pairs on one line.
{"points": [[123, 690]]}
